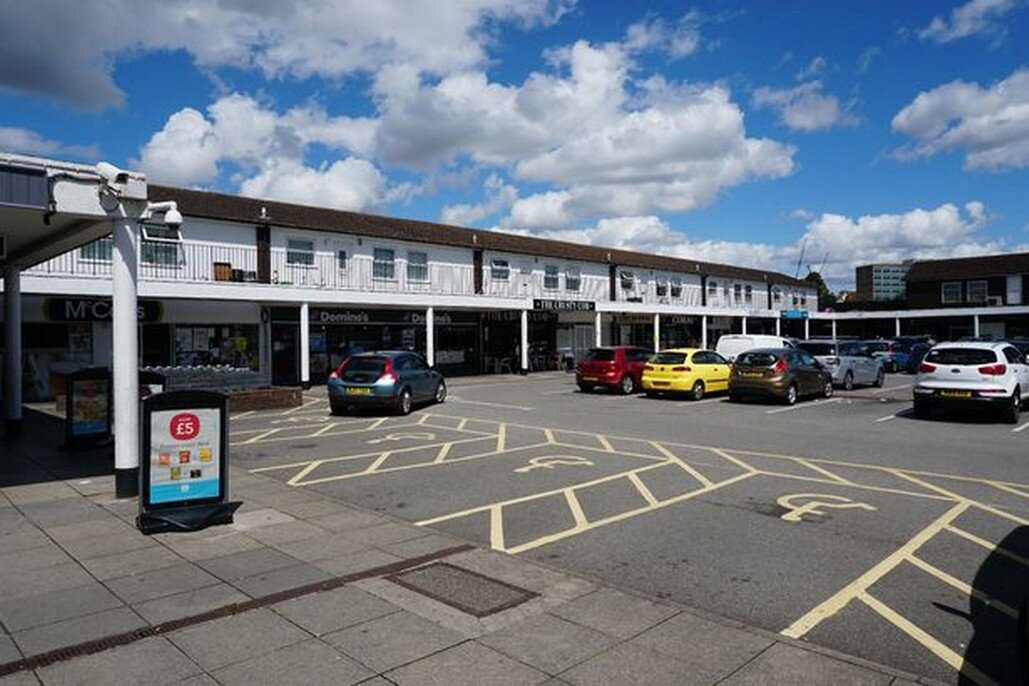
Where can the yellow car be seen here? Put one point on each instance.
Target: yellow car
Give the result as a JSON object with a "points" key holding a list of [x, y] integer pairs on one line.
{"points": [[685, 370]]}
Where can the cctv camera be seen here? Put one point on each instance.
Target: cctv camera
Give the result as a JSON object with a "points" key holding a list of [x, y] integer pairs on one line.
{"points": [[111, 173], [173, 218]]}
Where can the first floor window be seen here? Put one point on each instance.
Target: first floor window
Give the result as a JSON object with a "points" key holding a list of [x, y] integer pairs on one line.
{"points": [[737, 291], [573, 277], [383, 266], [341, 260], [776, 295], [712, 289], [97, 251], [676, 288], [300, 252], [628, 280], [950, 292], [661, 288], [160, 245], [551, 277], [417, 266], [500, 270], [748, 295], [978, 291]]}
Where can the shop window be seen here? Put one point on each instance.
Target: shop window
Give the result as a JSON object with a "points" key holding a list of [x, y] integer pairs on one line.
{"points": [[676, 288], [551, 277], [383, 265], [573, 279], [977, 291], [661, 288], [417, 266], [628, 280], [160, 245], [950, 292], [300, 252], [341, 260], [97, 251], [748, 295], [500, 270]]}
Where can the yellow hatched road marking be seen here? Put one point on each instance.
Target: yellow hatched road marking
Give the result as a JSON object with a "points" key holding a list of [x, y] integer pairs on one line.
{"points": [[677, 460], [1004, 487], [841, 598], [928, 641], [382, 420], [302, 406], [358, 456], [327, 427], [549, 435], [377, 463], [735, 460], [576, 508], [605, 443], [835, 477], [961, 498], [642, 488], [299, 476], [501, 437], [967, 589], [461, 425], [982, 542], [879, 489], [259, 437], [496, 528], [443, 452]]}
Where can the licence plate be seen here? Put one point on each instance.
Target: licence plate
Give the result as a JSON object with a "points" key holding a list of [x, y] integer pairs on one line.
{"points": [[955, 394], [359, 391], [589, 378], [752, 375]]}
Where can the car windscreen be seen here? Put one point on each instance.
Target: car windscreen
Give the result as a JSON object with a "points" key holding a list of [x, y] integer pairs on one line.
{"points": [[852, 349], [756, 359], [363, 369], [600, 355], [961, 356], [668, 358], [817, 349]]}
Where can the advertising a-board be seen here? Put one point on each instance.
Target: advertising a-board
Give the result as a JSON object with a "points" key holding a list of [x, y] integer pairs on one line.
{"points": [[184, 455], [89, 407]]}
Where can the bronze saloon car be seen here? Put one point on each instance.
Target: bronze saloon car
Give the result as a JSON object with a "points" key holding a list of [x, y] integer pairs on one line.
{"points": [[784, 374]]}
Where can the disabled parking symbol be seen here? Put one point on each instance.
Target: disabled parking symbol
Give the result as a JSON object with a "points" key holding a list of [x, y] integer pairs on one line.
{"points": [[815, 501], [402, 436], [551, 461]]}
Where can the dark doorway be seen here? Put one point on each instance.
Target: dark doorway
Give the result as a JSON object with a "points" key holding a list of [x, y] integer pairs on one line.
{"points": [[285, 355]]}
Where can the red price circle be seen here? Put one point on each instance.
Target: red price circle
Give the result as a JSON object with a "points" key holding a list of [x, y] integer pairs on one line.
{"points": [[184, 426]]}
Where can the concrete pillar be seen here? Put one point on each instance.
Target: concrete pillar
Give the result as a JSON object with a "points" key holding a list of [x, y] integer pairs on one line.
{"points": [[743, 326], [807, 328], [12, 351], [975, 325], [524, 362], [305, 346], [778, 326], [657, 332], [703, 331], [125, 357], [597, 331], [834, 329], [430, 335], [896, 326]]}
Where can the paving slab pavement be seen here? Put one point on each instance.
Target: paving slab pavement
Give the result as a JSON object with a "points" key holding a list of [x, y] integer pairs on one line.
{"points": [[77, 571]]}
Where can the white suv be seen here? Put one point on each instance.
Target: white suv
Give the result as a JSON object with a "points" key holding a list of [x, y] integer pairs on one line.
{"points": [[973, 374]]}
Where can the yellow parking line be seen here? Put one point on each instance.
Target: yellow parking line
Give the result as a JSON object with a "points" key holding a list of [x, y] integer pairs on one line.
{"points": [[575, 507], [1008, 489], [299, 476], [835, 477], [461, 424], [443, 452], [643, 490], [549, 435], [382, 420], [677, 460], [955, 496], [982, 542], [879, 489], [960, 585], [300, 407], [344, 458], [370, 469], [240, 415], [496, 529], [605, 443], [501, 437], [735, 460], [841, 598], [937, 648], [259, 437], [322, 430]]}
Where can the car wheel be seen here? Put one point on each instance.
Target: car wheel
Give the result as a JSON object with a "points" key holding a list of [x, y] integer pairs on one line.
{"points": [[585, 388], [848, 382], [697, 393], [1014, 410], [922, 409], [404, 402], [791, 395], [627, 385], [827, 389], [880, 378], [441, 392]]}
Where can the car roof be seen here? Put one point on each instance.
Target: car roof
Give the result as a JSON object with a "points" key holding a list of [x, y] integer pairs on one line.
{"points": [[682, 350], [978, 345], [385, 353], [774, 351]]}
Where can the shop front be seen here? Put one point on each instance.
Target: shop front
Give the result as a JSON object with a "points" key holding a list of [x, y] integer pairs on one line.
{"points": [[680, 331], [633, 329]]}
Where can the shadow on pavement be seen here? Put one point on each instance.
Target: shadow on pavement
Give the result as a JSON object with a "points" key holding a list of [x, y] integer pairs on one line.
{"points": [[34, 457]]}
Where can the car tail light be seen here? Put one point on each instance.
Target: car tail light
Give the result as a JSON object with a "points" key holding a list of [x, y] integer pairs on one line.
{"points": [[648, 367], [338, 371], [681, 369], [994, 370], [780, 366], [334, 374], [387, 371], [926, 368]]}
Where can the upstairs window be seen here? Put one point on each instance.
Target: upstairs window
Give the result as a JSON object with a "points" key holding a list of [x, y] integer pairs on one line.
{"points": [[661, 288], [500, 270], [97, 251], [628, 280], [160, 245], [776, 296], [748, 295], [341, 260], [737, 292], [978, 291], [551, 277], [573, 278], [417, 266], [950, 292], [384, 264], [712, 289], [300, 252], [676, 288]]}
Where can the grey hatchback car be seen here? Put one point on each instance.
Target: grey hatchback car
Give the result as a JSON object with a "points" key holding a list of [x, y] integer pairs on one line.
{"points": [[849, 362], [395, 379]]}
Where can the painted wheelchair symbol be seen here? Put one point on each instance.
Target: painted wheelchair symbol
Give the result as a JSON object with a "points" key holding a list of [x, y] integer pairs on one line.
{"points": [[816, 500], [551, 461], [402, 436]]}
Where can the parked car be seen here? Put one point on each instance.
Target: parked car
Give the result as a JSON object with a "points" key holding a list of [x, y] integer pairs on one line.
{"points": [[685, 370], [971, 374], [849, 363], [782, 373], [393, 379], [616, 367], [732, 344], [1022, 344], [915, 355], [894, 354]]}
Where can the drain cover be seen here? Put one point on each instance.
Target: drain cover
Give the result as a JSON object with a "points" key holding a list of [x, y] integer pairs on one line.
{"points": [[468, 591]]}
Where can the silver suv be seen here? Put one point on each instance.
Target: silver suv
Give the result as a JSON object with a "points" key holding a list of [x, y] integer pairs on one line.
{"points": [[849, 362]]}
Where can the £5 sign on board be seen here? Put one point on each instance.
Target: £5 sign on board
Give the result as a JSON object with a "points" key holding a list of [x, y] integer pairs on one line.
{"points": [[184, 426]]}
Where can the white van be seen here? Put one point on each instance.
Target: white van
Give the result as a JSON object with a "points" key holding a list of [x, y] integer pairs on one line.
{"points": [[731, 345]]}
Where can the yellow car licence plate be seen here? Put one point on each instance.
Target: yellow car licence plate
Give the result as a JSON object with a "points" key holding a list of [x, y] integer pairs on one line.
{"points": [[955, 394], [359, 391]]}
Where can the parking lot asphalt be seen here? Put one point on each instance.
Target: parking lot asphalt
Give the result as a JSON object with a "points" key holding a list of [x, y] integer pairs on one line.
{"points": [[844, 522]]}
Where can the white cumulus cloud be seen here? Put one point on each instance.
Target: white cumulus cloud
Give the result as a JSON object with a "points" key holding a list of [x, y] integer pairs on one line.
{"points": [[975, 18], [804, 107], [27, 142]]}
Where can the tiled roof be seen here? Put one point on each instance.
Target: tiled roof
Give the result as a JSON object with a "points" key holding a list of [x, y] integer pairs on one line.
{"points": [[969, 267]]}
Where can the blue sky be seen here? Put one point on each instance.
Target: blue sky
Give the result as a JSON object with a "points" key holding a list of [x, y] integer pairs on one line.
{"points": [[744, 132]]}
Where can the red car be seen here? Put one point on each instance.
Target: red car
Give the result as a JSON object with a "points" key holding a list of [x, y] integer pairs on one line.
{"points": [[618, 367]]}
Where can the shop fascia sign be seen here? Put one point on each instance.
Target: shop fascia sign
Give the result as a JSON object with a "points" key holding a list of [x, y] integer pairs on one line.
{"points": [[363, 317], [794, 314], [553, 305], [99, 310]]}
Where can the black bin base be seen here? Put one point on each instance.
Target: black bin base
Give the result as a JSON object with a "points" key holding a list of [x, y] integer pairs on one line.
{"points": [[191, 518]]}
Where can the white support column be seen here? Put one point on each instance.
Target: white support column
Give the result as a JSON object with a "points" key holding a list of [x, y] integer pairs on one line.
{"points": [[657, 332], [743, 326], [430, 335], [807, 328], [834, 329], [12, 351], [305, 346], [524, 362], [778, 326], [125, 357], [896, 326], [703, 331], [975, 325], [597, 331]]}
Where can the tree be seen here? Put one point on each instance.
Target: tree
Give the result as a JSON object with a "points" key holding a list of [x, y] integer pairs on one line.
{"points": [[826, 298]]}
